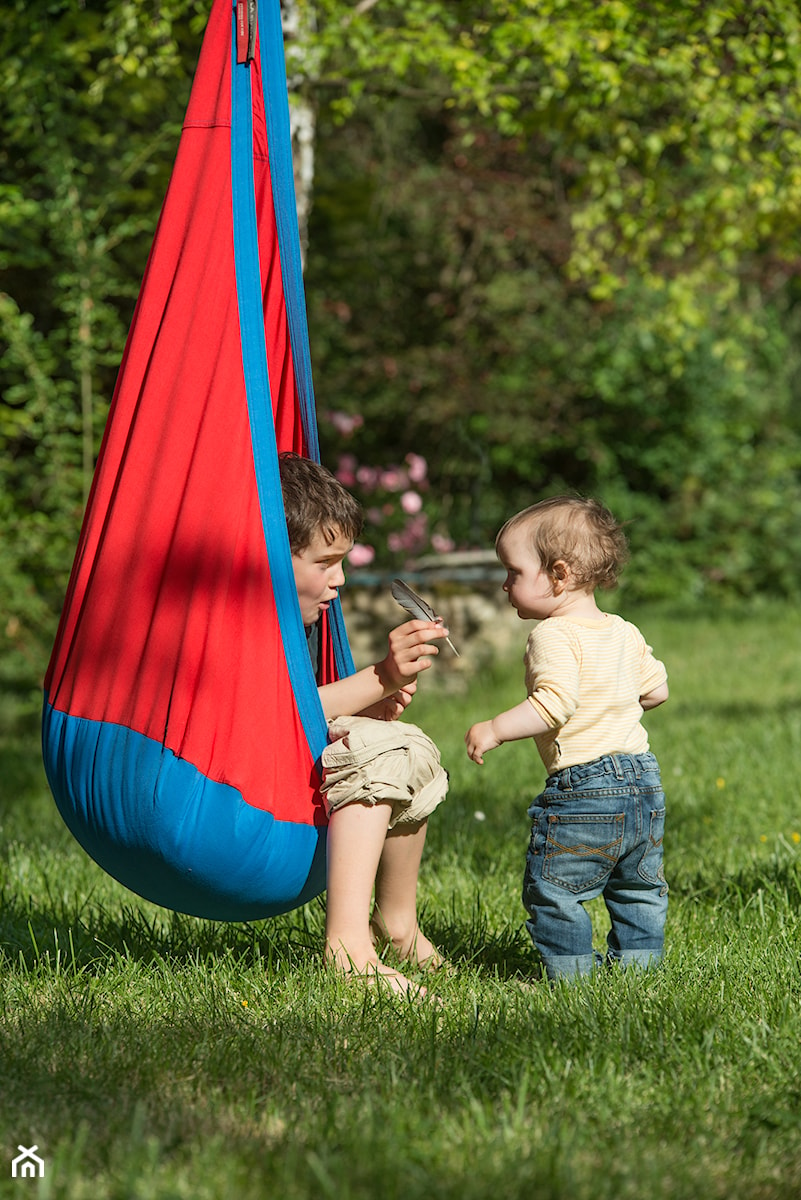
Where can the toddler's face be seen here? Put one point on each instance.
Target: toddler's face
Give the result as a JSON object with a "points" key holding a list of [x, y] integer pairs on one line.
{"points": [[529, 588], [319, 574]]}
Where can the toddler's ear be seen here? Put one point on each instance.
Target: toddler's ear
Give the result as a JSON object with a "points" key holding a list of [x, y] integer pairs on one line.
{"points": [[560, 576]]}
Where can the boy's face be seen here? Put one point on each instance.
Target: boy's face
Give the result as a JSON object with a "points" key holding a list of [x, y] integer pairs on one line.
{"points": [[319, 574], [529, 588]]}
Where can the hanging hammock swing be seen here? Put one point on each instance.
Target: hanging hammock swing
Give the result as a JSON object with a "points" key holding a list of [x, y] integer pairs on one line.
{"points": [[181, 724]]}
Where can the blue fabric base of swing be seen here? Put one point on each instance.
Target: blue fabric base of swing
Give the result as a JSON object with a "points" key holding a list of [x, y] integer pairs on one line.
{"points": [[169, 834]]}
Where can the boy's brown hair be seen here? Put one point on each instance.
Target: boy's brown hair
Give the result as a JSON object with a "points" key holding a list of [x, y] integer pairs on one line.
{"points": [[581, 532], [315, 502]]}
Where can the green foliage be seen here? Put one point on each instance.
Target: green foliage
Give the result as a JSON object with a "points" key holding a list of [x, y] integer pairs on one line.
{"points": [[475, 351], [679, 123], [90, 105]]}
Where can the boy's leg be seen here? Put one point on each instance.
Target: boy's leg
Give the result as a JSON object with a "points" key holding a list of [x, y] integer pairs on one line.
{"points": [[395, 911], [356, 837]]}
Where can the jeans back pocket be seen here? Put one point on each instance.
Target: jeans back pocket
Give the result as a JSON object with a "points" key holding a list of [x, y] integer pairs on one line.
{"points": [[581, 849]]}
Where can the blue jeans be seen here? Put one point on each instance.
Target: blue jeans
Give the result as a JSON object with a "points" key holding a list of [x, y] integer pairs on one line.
{"points": [[597, 831]]}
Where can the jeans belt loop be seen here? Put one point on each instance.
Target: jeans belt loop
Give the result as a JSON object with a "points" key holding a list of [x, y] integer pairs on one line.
{"points": [[616, 764]]}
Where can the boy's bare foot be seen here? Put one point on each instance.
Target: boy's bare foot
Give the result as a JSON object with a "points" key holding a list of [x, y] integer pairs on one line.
{"points": [[417, 949], [423, 954], [372, 972]]}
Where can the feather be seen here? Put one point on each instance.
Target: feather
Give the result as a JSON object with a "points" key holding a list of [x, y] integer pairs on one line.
{"points": [[416, 607]]}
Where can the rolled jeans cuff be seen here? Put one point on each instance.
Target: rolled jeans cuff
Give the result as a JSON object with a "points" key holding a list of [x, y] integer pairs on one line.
{"points": [[634, 958], [570, 966]]}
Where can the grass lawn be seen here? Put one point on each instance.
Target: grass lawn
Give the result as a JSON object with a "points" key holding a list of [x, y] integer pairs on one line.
{"points": [[150, 1055]]}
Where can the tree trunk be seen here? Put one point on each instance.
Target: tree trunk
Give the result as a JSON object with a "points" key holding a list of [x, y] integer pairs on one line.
{"points": [[302, 111]]}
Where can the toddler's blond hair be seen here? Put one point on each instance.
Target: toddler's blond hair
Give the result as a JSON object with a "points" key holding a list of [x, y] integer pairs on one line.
{"points": [[581, 532]]}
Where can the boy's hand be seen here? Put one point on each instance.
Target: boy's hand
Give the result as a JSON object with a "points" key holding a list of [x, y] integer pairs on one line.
{"points": [[409, 653], [383, 690], [479, 739]]}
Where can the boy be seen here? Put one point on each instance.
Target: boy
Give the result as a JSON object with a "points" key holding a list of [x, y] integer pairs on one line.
{"points": [[597, 827], [370, 843]]}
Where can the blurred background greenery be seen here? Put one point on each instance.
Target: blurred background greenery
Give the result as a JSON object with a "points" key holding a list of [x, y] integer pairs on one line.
{"points": [[549, 246]]}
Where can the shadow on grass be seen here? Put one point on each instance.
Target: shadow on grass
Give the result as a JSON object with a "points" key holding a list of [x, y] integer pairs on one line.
{"points": [[497, 953], [89, 939]]}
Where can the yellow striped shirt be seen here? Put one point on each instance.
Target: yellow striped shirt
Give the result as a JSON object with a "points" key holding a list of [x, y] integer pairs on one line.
{"points": [[585, 676]]}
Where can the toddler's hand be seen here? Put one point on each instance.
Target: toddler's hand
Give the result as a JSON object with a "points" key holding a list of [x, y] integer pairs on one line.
{"points": [[479, 739]]}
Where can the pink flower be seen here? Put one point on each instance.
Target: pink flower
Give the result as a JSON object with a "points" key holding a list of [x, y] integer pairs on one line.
{"points": [[441, 544], [411, 502], [418, 467], [412, 536], [417, 525], [393, 479], [361, 555], [368, 477], [345, 423], [346, 470]]}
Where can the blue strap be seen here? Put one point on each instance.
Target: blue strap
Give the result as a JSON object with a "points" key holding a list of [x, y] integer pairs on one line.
{"points": [[279, 140], [257, 388]]}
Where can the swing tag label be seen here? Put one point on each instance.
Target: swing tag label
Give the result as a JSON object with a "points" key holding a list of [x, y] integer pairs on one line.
{"points": [[244, 42]]}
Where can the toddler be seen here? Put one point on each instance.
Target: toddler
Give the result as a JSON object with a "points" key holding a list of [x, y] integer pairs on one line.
{"points": [[597, 827]]}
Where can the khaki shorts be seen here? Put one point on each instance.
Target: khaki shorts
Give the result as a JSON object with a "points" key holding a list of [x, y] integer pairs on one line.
{"points": [[382, 762]]}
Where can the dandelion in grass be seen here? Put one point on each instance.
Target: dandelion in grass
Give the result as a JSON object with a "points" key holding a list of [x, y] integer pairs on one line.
{"points": [[763, 837], [720, 782], [796, 836]]}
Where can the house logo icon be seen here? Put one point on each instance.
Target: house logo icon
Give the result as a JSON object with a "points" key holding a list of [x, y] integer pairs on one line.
{"points": [[27, 1164]]}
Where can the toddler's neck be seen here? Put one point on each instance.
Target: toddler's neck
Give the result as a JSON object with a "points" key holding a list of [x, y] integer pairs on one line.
{"points": [[578, 603]]}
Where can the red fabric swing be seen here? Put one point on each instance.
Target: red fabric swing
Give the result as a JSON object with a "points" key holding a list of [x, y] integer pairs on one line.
{"points": [[180, 650]]}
